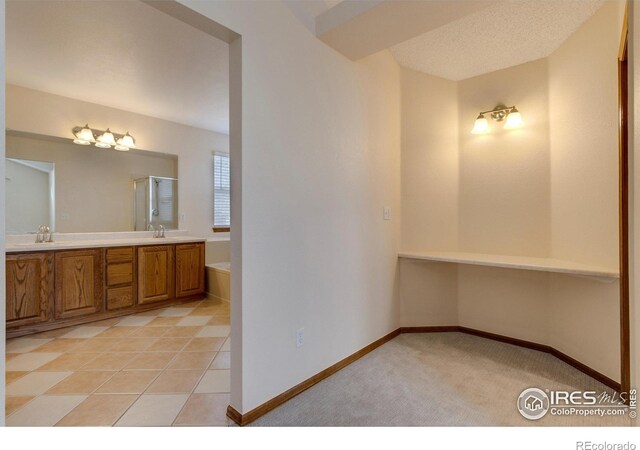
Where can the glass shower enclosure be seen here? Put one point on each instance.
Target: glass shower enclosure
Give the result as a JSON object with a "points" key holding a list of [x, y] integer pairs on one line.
{"points": [[155, 203]]}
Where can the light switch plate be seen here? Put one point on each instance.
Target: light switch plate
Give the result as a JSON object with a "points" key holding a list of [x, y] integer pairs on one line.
{"points": [[386, 213]]}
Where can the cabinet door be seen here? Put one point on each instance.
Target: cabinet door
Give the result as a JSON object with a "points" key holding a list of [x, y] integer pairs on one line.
{"points": [[189, 269], [29, 288], [155, 273], [79, 278]]}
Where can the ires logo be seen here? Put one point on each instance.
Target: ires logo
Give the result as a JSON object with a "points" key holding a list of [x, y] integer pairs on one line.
{"points": [[534, 403]]}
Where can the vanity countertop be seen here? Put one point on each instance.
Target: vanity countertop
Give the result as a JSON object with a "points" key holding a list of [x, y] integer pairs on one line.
{"points": [[69, 241]]}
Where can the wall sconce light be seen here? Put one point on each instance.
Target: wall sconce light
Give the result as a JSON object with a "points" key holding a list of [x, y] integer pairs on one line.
{"points": [[499, 113], [106, 139]]}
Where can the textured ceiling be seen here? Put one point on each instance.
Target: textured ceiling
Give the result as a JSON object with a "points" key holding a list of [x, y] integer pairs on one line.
{"points": [[122, 54], [509, 33]]}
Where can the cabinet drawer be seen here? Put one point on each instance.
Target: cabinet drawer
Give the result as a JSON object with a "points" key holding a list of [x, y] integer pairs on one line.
{"points": [[119, 298], [120, 254], [120, 273]]}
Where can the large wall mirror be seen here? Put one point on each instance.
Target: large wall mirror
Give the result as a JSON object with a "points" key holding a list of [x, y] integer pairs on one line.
{"points": [[80, 189]]}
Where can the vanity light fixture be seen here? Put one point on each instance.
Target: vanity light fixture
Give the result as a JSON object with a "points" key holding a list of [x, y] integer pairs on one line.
{"points": [[105, 139], [499, 113]]}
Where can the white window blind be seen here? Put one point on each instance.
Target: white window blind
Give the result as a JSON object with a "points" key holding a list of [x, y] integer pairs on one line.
{"points": [[222, 190]]}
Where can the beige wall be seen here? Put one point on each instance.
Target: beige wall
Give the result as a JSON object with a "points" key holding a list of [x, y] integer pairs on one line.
{"points": [[323, 138], [52, 115], [583, 90], [503, 205], [93, 187], [545, 190], [429, 162]]}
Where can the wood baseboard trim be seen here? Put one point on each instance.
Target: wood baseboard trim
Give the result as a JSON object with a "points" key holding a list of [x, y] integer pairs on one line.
{"points": [[244, 419]]}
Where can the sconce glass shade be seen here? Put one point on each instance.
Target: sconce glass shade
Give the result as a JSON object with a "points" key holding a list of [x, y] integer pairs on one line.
{"points": [[481, 126], [514, 120], [106, 140], [125, 143], [84, 136]]}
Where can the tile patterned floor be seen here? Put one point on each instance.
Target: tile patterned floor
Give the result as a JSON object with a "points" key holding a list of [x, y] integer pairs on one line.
{"points": [[158, 368]]}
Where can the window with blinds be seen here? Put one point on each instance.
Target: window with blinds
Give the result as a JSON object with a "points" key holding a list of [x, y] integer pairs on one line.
{"points": [[222, 191]]}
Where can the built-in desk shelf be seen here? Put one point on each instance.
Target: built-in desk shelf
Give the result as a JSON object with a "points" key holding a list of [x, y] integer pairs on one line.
{"points": [[516, 262]]}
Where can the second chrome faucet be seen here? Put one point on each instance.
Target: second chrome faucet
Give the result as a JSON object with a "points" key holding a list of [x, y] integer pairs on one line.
{"points": [[159, 233]]}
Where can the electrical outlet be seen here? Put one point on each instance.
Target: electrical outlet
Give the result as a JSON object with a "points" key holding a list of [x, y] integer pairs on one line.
{"points": [[386, 213], [300, 337]]}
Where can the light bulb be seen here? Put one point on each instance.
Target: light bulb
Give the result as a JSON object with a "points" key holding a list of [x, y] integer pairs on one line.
{"points": [[126, 141], [481, 126], [84, 136], [106, 140], [514, 120]]}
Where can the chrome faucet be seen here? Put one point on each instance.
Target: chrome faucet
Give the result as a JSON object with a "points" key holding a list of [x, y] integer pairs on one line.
{"points": [[44, 234], [159, 233]]}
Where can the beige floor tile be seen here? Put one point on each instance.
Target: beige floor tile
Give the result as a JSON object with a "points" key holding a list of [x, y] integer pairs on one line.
{"points": [[106, 322], [83, 333], [194, 321], [14, 403], [221, 361], [68, 362], [129, 382], [182, 331], [134, 321], [44, 411], [204, 311], [59, 345], [169, 345], [219, 320], [10, 377], [175, 381], [36, 383], [24, 345], [191, 360], [164, 322], [215, 331], [53, 334], [133, 344], [109, 361], [175, 312], [98, 410], [81, 383], [150, 361], [204, 409], [214, 381], [153, 411], [149, 332], [150, 313], [204, 344], [117, 332], [30, 361], [226, 347], [95, 345]]}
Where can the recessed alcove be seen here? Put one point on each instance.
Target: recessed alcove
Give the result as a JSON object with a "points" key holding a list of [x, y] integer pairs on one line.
{"points": [[515, 232]]}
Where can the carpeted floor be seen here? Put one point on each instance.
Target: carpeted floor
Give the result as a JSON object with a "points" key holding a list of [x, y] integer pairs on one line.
{"points": [[437, 379]]}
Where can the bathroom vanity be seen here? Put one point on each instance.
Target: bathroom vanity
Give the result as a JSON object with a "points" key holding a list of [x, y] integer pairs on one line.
{"points": [[54, 285]]}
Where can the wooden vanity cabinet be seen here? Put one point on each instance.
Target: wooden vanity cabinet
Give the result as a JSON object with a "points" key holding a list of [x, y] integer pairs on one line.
{"points": [[29, 294], [59, 288], [156, 274], [79, 282], [189, 269]]}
